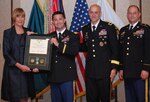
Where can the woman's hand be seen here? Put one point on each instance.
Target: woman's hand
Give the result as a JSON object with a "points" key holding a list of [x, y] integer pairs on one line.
{"points": [[23, 68], [30, 32]]}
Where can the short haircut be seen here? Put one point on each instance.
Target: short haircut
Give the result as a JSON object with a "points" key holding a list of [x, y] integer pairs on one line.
{"points": [[16, 13], [135, 7], [96, 5], [58, 12]]}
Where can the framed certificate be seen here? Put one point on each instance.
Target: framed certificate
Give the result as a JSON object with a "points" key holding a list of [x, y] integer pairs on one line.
{"points": [[38, 52]]}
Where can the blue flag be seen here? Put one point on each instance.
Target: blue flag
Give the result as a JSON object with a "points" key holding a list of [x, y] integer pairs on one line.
{"points": [[36, 24], [36, 21]]}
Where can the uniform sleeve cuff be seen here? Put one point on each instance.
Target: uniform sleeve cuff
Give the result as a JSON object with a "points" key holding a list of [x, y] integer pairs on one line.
{"points": [[146, 67], [115, 62]]}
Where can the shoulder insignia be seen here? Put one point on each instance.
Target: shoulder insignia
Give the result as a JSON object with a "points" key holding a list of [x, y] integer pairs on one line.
{"points": [[76, 32], [122, 33], [146, 25], [83, 25], [109, 23], [117, 30]]}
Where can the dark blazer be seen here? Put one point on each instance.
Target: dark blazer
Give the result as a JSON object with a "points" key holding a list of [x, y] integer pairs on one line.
{"points": [[15, 83], [102, 49], [63, 57], [135, 50]]}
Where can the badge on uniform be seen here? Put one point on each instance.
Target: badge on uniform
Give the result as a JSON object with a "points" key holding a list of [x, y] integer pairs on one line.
{"points": [[139, 33], [103, 32], [86, 36], [101, 44], [65, 39]]}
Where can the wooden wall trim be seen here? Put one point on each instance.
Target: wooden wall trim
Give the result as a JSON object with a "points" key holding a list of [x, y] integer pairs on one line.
{"points": [[11, 11], [140, 6]]}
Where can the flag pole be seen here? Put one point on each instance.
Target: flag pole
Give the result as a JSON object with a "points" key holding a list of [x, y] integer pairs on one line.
{"points": [[114, 5], [11, 10]]}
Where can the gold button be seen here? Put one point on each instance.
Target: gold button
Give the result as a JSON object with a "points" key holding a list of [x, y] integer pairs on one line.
{"points": [[127, 54], [92, 40], [103, 39], [55, 61], [93, 55], [127, 48], [93, 50], [128, 37], [69, 67], [93, 45], [128, 43]]}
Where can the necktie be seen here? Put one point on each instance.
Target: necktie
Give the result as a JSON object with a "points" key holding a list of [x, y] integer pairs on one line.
{"points": [[130, 29], [59, 35], [94, 28]]}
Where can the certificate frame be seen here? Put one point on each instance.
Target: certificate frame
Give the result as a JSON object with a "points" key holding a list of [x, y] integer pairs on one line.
{"points": [[38, 51]]}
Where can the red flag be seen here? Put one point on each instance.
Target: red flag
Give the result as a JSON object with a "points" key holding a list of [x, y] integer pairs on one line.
{"points": [[51, 6]]}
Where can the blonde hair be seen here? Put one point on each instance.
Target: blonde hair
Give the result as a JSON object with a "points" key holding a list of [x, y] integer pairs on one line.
{"points": [[16, 13]]}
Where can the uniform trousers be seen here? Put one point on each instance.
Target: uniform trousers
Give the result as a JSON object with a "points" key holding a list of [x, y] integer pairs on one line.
{"points": [[134, 90], [98, 90], [62, 92]]}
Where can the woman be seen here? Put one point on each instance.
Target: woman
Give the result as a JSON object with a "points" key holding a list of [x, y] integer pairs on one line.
{"points": [[16, 83]]}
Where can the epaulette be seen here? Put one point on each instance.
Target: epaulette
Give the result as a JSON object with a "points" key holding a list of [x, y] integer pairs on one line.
{"points": [[84, 25], [110, 24], [145, 25], [125, 27], [117, 30]]}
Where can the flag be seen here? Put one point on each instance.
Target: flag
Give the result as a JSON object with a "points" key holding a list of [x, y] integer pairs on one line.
{"points": [[51, 6], [36, 24], [80, 18], [108, 14], [36, 20]]}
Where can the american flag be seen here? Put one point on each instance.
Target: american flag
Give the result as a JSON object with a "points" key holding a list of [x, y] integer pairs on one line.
{"points": [[80, 18]]}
